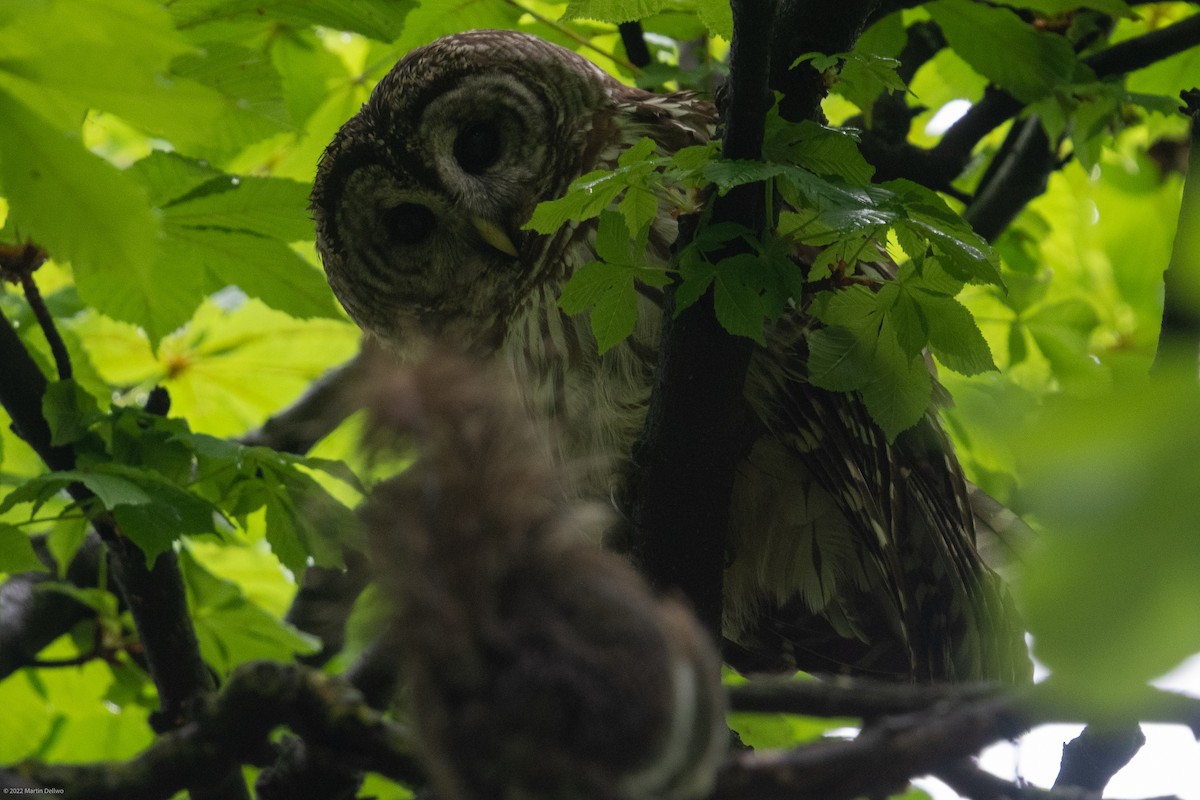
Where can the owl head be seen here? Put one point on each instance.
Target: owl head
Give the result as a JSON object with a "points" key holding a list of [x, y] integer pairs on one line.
{"points": [[420, 198]]}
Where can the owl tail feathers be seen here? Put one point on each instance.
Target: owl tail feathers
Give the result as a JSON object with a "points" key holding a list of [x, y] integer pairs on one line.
{"points": [[1002, 536]]}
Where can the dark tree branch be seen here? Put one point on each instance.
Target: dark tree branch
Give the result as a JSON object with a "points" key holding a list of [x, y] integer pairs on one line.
{"points": [[322, 407], [1091, 759], [1180, 331], [971, 781], [31, 619], [22, 386], [804, 26], [880, 761], [852, 697], [33, 296], [634, 40], [683, 464], [1032, 705], [1019, 173], [155, 595], [917, 730], [300, 771], [1149, 48], [998, 106], [234, 728]]}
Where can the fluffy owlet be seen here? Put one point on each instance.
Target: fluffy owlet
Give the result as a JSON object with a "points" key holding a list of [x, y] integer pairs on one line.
{"points": [[847, 553], [538, 664]]}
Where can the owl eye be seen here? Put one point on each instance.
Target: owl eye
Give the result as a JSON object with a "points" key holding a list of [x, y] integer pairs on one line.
{"points": [[408, 223], [477, 147]]}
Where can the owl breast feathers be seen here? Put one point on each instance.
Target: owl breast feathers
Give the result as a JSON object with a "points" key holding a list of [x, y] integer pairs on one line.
{"points": [[848, 553]]}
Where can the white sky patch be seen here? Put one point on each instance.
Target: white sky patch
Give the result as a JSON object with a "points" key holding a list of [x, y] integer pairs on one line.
{"points": [[1167, 764], [946, 116]]}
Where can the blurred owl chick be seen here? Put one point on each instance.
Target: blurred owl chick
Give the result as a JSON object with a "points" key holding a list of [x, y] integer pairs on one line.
{"points": [[539, 666]]}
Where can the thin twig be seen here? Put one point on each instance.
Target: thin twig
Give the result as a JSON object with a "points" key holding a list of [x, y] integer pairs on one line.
{"points": [[62, 360]]}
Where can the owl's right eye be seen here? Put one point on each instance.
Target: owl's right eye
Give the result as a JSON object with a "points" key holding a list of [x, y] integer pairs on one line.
{"points": [[408, 223], [477, 147]]}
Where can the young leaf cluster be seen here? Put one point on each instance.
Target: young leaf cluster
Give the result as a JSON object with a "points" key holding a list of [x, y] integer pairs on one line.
{"points": [[876, 324], [160, 481]]}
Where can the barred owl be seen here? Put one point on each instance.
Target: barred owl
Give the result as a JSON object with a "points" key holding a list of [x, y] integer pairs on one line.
{"points": [[847, 553]]}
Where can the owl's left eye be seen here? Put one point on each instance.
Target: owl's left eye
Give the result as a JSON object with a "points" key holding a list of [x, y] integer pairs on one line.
{"points": [[477, 147], [409, 223]]}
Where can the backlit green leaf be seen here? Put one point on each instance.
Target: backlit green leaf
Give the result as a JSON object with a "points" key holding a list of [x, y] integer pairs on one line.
{"points": [[1113, 479], [16, 551], [1001, 46]]}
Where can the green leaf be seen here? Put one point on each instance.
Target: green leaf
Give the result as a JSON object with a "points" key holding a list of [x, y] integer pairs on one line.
{"points": [[272, 207], [303, 520], [1062, 331], [696, 274], [16, 551], [111, 490], [639, 207], [738, 296], [1001, 46], [727, 173], [69, 411], [64, 541], [377, 19], [170, 176], [232, 630], [607, 287], [900, 388], [35, 491], [861, 351], [1110, 593], [908, 318], [967, 256], [614, 316], [150, 510], [814, 147], [594, 192], [249, 89], [717, 16], [838, 360], [612, 10], [101, 601], [77, 206], [1118, 8], [68, 50], [587, 196], [261, 267], [864, 77], [954, 337], [780, 731]]}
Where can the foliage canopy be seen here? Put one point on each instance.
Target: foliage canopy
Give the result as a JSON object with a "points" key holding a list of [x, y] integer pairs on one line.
{"points": [[162, 155]]}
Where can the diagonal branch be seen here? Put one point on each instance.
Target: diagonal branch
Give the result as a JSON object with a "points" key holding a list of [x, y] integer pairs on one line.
{"points": [[155, 595], [234, 728]]}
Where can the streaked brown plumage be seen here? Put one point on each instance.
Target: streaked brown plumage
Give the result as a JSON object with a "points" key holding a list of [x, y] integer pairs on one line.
{"points": [[848, 553], [538, 664]]}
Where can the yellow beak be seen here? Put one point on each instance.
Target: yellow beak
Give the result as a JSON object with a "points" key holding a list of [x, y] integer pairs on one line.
{"points": [[494, 235]]}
